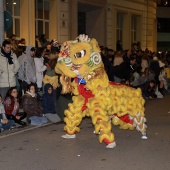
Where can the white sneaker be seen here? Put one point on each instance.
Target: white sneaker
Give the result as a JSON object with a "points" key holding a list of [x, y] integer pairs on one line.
{"points": [[67, 136], [144, 136], [111, 145]]}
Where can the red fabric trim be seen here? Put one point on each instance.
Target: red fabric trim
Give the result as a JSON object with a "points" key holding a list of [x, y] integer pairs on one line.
{"points": [[106, 141], [118, 84], [115, 84], [85, 93], [125, 118]]}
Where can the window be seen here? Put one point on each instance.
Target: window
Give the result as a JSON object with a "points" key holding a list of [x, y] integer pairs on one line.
{"points": [[42, 17], [163, 25], [13, 6], [134, 28], [119, 27], [163, 3]]}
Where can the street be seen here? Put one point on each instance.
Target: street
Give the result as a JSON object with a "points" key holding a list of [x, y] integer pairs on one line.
{"points": [[43, 148]]}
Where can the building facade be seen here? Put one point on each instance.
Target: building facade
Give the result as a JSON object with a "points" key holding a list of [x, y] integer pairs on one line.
{"points": [[163, 25], [108, 21]]}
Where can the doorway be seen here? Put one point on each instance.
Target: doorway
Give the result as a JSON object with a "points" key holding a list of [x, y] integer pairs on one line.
{"points": [[91, 21]]}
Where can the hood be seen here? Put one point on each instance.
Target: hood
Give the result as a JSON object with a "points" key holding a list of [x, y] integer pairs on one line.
{"points": [[46, 87], [28, 53]]}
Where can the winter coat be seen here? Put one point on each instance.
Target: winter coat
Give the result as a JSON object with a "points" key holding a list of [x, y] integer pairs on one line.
{"points": [[30, 105], [40, 68], [48, 100], [11, 107], [154, 65], [8, 71], [27, 70], [123, 71], [2, 112]]}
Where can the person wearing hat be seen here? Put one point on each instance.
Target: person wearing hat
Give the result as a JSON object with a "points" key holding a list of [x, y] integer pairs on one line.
{"points": [[27, 70]]}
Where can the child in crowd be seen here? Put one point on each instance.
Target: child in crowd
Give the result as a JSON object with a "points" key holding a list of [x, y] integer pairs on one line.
{"points": [[48, 104], [11, 105], [149, 89], [4, 122], [32, 108]]}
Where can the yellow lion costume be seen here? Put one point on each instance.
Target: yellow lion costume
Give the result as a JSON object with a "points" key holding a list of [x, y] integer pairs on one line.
{"points": [[94, 95]]}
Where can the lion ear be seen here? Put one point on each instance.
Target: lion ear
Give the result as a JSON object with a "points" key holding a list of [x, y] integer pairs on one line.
{"points": [[95, 45]]}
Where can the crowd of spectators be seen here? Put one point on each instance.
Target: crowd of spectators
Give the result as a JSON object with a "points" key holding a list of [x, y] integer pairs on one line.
{"points": [[139, 69], [22, 69]]}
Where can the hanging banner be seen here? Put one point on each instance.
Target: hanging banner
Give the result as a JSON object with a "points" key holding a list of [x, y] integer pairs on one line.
{"points": [[7, 20]]}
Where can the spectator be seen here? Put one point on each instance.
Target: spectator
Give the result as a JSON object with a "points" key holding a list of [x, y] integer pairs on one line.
{"points": [[14, 44], [104, 53], [118, 58], [22, 42], [51, 76], [12, 107], [139, 57], [43, 40], [147, 75], [49, 109], [38, 45], [137, 74], [119, 46], [127, 55], [154, 66], [8, 68], [4, 122], [21, 47], [144, 63], [40, 68], [32, 108], [55, 46], [123, 71], [27, 70], [134, 47], [149, 89], [162, 80]]}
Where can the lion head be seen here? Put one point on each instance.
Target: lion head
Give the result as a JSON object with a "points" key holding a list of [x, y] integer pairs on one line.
{"points": [[77, 58]]}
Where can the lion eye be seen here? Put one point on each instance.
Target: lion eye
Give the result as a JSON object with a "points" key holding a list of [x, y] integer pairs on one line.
{"points": [[80, 54]]}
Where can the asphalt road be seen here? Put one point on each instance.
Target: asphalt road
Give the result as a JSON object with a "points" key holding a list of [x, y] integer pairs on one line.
{"points": [[44, 149]]}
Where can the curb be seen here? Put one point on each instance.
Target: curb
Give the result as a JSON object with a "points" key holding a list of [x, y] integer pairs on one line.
{"points": [[24, 130]]}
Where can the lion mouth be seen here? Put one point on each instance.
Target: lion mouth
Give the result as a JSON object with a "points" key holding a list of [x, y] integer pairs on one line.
{"points": [[76, 66]]}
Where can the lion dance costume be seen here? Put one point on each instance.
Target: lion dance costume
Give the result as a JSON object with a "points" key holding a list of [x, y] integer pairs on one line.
{"points": [[94, 95]]}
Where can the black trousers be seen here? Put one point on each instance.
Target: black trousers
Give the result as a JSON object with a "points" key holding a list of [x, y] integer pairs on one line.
{"points": [[19, 121]]}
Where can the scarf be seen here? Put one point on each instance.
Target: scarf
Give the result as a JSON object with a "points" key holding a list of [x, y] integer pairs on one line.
{"points": [[8, 56], [32, 95]]}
